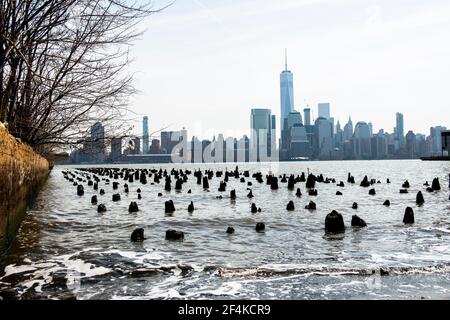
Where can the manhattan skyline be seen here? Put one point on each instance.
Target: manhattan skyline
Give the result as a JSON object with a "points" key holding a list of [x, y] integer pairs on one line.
{"points": [[220, 60]]}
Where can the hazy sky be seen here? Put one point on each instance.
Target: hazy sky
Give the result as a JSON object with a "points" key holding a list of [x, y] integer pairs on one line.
{"points": [[204, 64]]}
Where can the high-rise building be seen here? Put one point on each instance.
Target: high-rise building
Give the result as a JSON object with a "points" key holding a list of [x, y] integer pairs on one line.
{"points": [[137, 145], [96, 147], [436, 140], [116, 149], [286, 93], [324, 110], [348, 130], [262, 138], [145, 145], [169, 139], [323, 139], [307, 112], [362, 143], [399, 130], [411, 145]]}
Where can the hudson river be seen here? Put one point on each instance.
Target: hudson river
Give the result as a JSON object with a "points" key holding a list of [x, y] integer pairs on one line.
{"points": [[66, 249]]}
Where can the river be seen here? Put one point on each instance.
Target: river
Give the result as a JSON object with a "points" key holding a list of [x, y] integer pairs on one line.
{"points": [[65, 249]]}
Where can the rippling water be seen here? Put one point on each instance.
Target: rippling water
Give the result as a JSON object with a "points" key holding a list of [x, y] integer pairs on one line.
{"points": [[65, 249]]}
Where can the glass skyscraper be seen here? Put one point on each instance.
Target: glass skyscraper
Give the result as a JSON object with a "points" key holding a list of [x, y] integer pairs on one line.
{"points": [[287, 93], [145, 144], [399, 130]]}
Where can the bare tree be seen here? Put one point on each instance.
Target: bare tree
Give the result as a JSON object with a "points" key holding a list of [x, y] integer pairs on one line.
{"points": [[63, 67]]}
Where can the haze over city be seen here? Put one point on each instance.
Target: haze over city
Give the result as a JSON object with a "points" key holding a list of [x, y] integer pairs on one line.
{"points": [[368, 59]]}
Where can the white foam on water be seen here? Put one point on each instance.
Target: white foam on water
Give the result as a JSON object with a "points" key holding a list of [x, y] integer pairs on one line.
{"points": [[14, 269], [139, 257]]}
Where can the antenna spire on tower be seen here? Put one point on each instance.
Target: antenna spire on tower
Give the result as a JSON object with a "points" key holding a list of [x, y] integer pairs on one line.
{"points": [[285, 59]]}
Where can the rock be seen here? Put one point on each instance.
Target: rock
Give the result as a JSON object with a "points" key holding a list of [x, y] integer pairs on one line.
{"points": [[387, 203], [355, 205], [101, 208], [260, 227], [436, 185], [174, 235], [139, 191], [115, 185], [419, 198], [230, 230], [338, 193], [341, 184], [298, 193], [80, 190], [313, 192], [250, 194], [249, 184], [334, 222], [137, 235], [189, 191], [95, 186], [426, 184], [233, 194], [116, 197], [139, 196], [160, 194], [429, 189], [94, 200], [191, 207], [358, 222], [102, 192], [403, 191], [372, 192], [133, 207], [405, 184], [169, 207], [219, 197], [409, 216], [290, 206], [311, 206], [254, 209]]}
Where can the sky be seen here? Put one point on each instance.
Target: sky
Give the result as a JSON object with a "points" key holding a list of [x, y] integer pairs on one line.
{"points": [[204, 64]]}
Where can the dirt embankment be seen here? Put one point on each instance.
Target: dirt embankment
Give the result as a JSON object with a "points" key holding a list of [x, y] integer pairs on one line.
{"points": [[22, 173]]}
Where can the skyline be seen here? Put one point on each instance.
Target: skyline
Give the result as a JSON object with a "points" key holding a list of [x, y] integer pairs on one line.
{"points": [[221, 60]]}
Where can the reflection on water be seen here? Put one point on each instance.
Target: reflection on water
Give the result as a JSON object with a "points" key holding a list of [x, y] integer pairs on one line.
{"points": [[65, 249]]}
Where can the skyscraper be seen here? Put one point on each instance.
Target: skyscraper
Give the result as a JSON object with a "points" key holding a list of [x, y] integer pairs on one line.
{"points": [[324, 110], [307, 112], [348, 130], [262, 139], [399, 130], [97, 144], [145, 144], [287, 92]]}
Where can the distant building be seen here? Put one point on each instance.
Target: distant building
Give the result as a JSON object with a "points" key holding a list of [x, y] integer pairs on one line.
{"points": [[145, 144], [263, 138], [348, 130], [445, 141], [324, 110], [307, 113], [116, 149], [96, 147], [287, 104], [362, 144], [399, 130], [410, 145], [169, 139], [155, 147], [323, 139], [436, 140]]}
